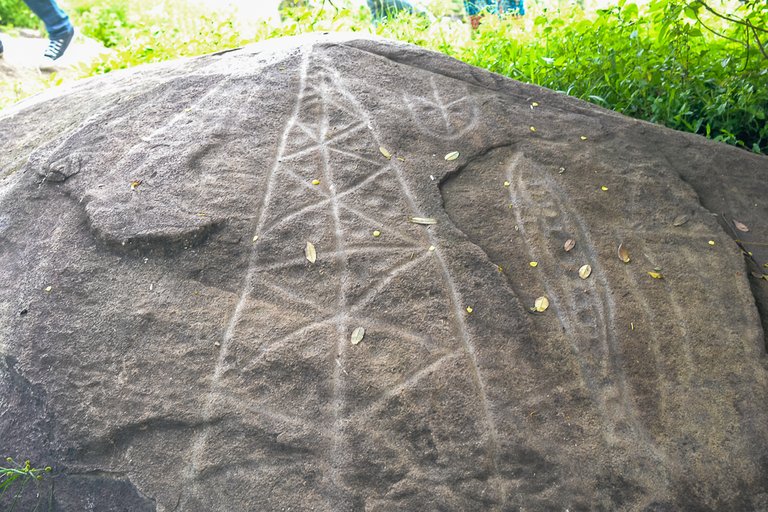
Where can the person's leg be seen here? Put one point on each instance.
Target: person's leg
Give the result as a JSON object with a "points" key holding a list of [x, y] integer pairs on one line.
{"points": [[56, 21]]}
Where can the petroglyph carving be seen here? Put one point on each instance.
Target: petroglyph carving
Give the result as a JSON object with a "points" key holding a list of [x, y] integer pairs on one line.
{"points": [[443, 114]]}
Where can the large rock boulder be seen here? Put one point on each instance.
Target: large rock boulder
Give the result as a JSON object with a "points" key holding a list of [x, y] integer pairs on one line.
{"points": [[167, 345]]}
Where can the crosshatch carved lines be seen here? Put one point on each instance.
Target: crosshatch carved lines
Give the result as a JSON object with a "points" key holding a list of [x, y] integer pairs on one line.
{"points": [[330, 137]]}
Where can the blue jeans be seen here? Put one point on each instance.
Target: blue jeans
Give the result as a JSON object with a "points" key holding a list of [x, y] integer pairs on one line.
{"points": [[475, 7], [384, 8], [56, 21]]}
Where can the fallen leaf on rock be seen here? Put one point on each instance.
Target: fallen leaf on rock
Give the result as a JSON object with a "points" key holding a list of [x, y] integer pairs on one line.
{"points": [[377, 233], [740, 226], [604, 188], [623, 253], [469, 309], [357, 335], [48, 289], [656, 275], [422, 220], [255, 237], [585, 271], [453, 155], [758, 275], [534, 264], [533, 128], [534, 104], [569, 244], [135, 184], [583, 138], [315, 182], [506, 183], [711, 242], [310, 253], [386, 153], [431, 248], [680, 220], [541, 304]]}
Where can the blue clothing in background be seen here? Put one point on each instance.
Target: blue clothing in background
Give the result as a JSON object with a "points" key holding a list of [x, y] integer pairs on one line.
{"points": [[384, 8], [475, 7], [56, 21]]}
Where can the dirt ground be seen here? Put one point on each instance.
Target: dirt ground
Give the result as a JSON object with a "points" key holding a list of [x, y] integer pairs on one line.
{"points": [[23, 51]]}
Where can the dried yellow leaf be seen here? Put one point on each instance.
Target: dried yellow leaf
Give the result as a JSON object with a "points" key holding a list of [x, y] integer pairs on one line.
{"points": [[431, 248], [386, 153], [569, 244], [315, 182], [740, 226], [604, 188], [541, 304], [656, 275], [422, 220], [534, 264], [48, 289], [310, 252], [453, 155], [357, 335], [469, 309], [255, 237], [623, 253], [534, 104], [583, 138], [585, 271], [533, 128], [711, 242], [680, 220], [377, 233], [135, 184], [506, 183]]}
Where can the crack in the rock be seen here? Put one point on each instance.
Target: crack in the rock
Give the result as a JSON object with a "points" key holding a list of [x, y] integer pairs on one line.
{"points": [[759, 295]]}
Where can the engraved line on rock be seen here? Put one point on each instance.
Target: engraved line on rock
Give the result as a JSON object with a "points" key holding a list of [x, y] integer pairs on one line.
{"points": [[324, 202], [455, 297], [198, 446], [377, 286], [319, 144], [603, 307], [444, 109]]}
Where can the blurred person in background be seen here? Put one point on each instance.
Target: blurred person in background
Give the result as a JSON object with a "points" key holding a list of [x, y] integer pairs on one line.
{"points": [[477, 8], [381, 9]]}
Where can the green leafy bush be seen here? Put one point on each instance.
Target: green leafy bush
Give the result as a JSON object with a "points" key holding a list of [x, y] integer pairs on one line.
{"points": [[17, 14], [104, 20], [654, 64]]}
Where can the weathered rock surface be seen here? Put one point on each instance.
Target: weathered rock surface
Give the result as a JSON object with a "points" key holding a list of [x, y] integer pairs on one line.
{"points": [[166, 345]]}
